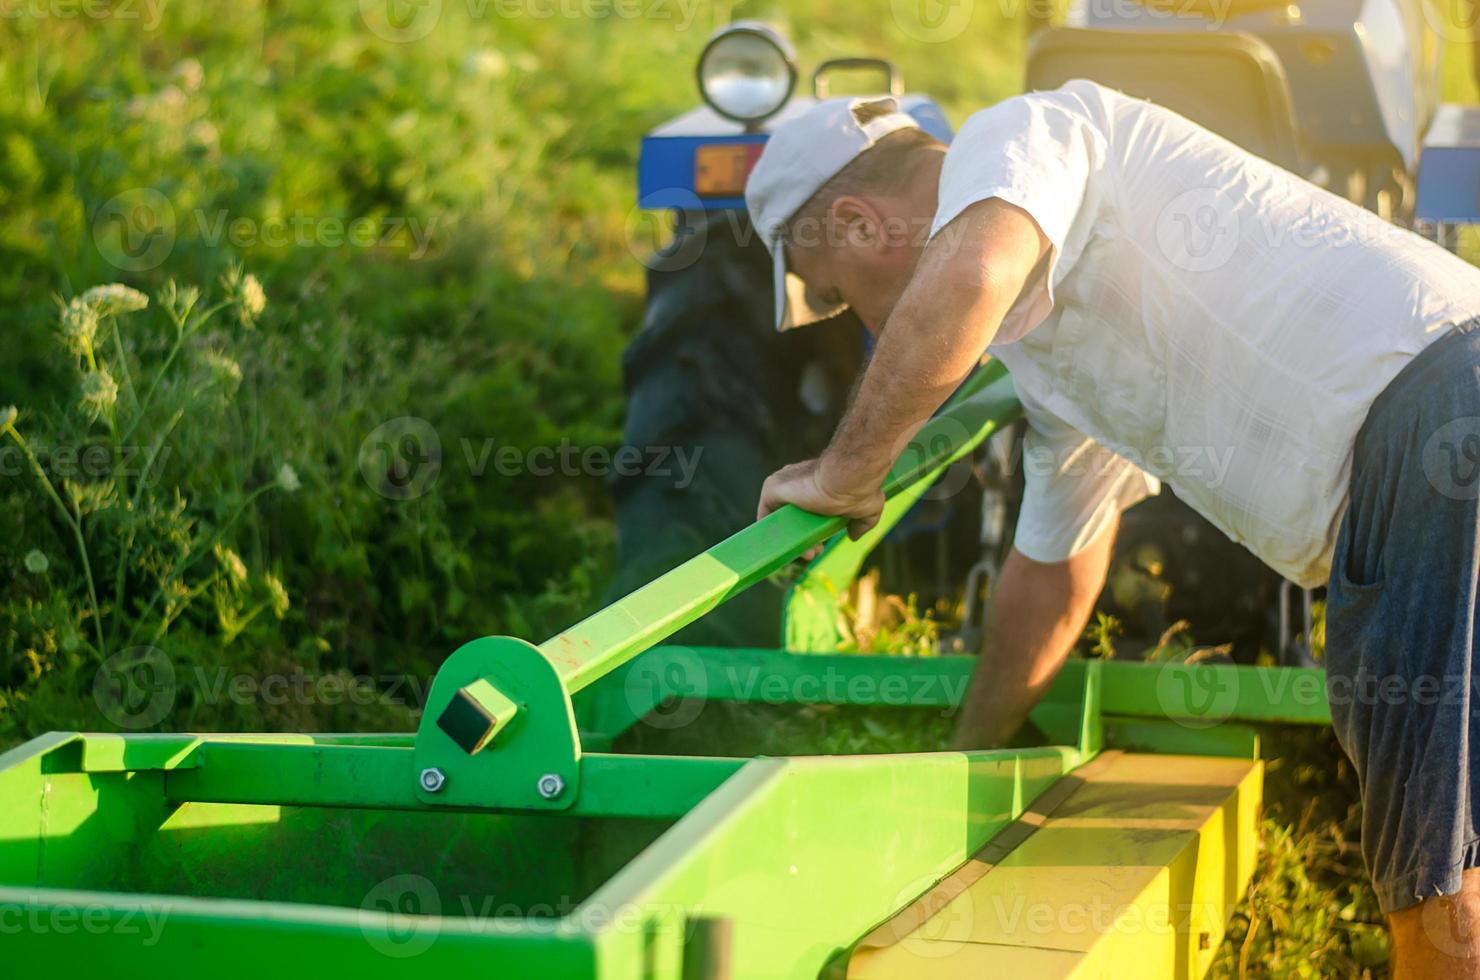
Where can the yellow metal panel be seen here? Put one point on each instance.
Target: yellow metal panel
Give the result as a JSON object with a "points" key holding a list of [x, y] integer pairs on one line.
{"points": [[946, 960], [1136, 869]]}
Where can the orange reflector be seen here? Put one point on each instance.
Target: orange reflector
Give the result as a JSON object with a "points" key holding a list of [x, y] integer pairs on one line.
{"points": [[720, 169]]}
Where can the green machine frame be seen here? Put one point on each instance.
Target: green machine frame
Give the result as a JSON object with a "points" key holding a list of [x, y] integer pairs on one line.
{"points": [[312, 853]]}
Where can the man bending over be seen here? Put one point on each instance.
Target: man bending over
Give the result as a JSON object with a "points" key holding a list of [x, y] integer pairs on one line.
{"points": [[1304, 374]]}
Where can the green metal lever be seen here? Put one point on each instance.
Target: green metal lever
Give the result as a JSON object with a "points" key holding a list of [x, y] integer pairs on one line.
{"points": [[614, 635], [611, 637]]}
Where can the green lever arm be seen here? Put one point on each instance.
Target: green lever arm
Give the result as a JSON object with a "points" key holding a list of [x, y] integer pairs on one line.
{"points": [[609, 638]]}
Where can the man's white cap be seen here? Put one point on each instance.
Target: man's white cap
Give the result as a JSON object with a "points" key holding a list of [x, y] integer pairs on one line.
{"points": [[803, 154]]}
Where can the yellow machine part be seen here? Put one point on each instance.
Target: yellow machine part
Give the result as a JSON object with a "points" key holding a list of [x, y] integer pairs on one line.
{"points": [[1130, 867]]}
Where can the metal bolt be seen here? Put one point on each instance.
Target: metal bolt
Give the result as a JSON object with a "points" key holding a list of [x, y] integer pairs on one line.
{"points": [[432, 780], [551, 785]]}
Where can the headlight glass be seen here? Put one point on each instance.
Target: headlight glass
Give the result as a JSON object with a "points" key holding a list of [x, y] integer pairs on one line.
{"points": [[747, 72]]}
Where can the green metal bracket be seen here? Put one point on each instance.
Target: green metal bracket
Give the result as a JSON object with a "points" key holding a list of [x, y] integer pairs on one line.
{"points": [[505, 691], [499, 730]]}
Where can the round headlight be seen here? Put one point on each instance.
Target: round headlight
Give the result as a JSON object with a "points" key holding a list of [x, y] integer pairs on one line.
{"points": [[747, 72]]}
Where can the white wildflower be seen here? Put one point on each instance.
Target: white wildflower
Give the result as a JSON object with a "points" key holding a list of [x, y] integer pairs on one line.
{"points": [[178, 299], [253, 298], [245, 291], [36, 562], [224, 369], [115, 298], [486, 63], [79, 325], [276, 594], [99, 392], [169, 100], [189, 74], [231, 563], [203, 133], [287, 478]]}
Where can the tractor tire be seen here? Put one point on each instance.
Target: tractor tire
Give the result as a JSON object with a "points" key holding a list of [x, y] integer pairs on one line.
{"points": [[710, 377]]}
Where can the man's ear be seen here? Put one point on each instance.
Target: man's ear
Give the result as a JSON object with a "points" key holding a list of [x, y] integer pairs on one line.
{"points": [[859, 223]]}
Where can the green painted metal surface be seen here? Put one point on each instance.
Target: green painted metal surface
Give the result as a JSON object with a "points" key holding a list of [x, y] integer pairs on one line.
{"points": [[191, 852], [812, 610], [1192, 697], [223, 848]]}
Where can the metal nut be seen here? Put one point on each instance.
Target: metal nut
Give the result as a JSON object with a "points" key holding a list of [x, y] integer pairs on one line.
{"points": [[551, 785], [432, 780]]}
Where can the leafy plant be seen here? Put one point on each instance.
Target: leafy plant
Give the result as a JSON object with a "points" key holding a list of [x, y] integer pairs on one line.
{"points": [[1100, 635]]}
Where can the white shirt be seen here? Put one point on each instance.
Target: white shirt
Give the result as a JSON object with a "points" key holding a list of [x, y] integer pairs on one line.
{"points": [[1207, 319]]}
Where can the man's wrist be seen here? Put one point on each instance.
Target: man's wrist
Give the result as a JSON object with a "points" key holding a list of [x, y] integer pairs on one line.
{"points": [[849, 473]]}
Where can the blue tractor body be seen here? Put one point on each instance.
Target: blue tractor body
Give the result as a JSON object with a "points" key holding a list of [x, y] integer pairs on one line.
{"points": [[700, 159]]}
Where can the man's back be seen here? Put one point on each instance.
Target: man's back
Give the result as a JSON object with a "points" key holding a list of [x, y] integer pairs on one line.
{"points": [[1217, 321]]}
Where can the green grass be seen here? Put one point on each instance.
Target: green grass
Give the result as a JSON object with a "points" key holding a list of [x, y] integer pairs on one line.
{"points": [[493, 162]]}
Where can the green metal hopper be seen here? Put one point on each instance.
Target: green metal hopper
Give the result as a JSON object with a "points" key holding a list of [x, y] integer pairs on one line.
{"points": [[527, 829]]}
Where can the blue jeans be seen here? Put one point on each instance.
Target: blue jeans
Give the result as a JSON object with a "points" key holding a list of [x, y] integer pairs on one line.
{"points": [[1401, 624]]}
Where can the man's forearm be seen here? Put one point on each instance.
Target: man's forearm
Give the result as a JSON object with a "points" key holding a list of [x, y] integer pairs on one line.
{"points": [[928, 351], [1038, 612], [966, 281]]}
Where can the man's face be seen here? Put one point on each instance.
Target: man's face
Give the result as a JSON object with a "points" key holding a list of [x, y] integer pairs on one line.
{"points": [[868, 279], [867, 251]]}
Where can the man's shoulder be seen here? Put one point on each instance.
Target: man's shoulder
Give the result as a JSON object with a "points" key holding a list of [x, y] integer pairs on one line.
{"points": [[1079, 97], [1077, 92]]}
